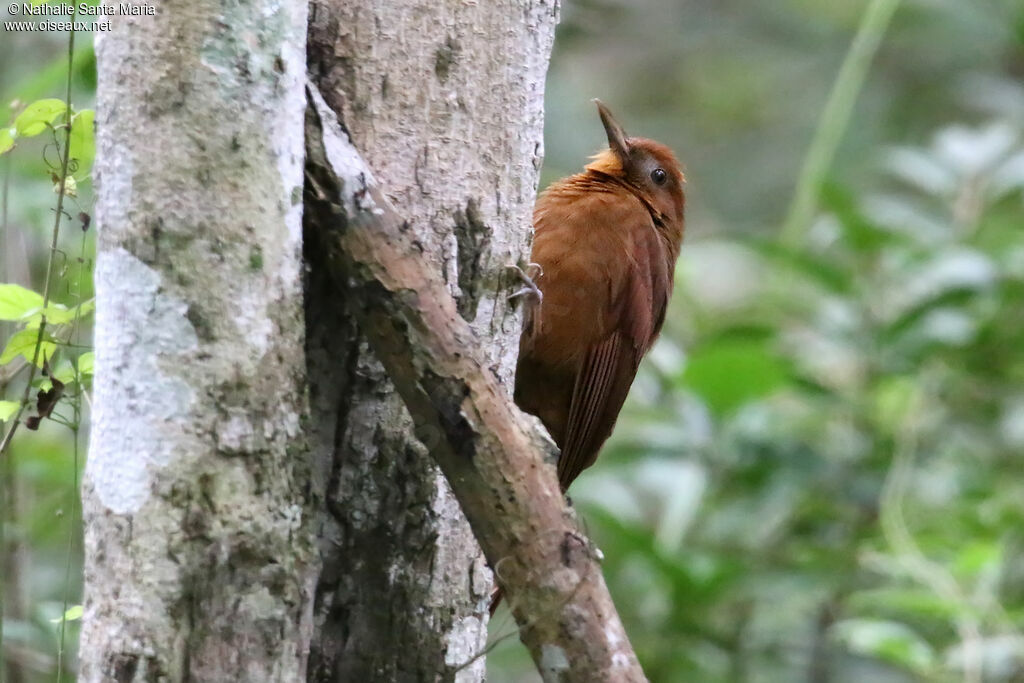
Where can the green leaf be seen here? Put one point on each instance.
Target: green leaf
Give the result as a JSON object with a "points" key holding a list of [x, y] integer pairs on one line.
{"points": [[907, 319], [16, 301], [82, 142], [85, 363], [23, 343], [37, 115], [977, 557], [913, 602], [74, 612], [8, 409], [6, 139], [894, 397], [49, 76], [730, 372], [889, 641], [58, 314], [65, 373]]}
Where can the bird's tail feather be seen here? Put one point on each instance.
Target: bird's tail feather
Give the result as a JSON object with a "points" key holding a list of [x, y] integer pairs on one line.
{"points": [[496, 596]]}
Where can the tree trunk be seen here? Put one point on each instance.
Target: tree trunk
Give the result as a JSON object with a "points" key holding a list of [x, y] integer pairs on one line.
{"points": [[445, 101], [200, 553], [199, 503]]}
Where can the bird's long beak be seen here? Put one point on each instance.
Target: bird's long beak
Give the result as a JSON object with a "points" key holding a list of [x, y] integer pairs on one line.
{"points": [[617, 140]]}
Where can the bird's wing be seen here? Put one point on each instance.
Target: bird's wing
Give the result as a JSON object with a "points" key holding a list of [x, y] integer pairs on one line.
{"points": [[598, 394], [609, 366]]}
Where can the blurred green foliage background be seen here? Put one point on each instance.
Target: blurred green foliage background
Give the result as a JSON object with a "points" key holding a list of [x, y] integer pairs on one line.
{"points": [[40, 547], [817, 476]]}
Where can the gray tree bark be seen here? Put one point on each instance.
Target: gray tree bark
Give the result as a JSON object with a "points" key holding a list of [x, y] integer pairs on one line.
{"points": [[201, 511], [445, 101], [198, 508]]}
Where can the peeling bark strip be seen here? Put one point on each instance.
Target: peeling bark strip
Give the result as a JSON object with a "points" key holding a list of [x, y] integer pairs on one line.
{"points": [[489, 451], [200, 559], [445, 101]]}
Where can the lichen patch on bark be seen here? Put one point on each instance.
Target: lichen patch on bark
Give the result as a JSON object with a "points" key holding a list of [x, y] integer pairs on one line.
{"points": [[138, 389]]}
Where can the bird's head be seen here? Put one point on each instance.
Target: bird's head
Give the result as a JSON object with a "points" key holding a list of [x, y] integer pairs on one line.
{"points": [[649, 167]]}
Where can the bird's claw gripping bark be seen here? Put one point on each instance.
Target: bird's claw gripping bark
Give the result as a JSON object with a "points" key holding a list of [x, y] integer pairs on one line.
{"points": [[530, 289]]}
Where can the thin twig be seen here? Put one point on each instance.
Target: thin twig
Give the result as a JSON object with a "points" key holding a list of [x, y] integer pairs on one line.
{"points": [[70, 548], [53, 246], [835, 118], [76, 404]]}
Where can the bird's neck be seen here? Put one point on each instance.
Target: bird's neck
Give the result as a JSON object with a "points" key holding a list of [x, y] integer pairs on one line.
{"points": [[663, 224]]}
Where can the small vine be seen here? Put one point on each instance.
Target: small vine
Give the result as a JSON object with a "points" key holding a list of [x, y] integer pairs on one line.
{"points": [[42, 349]]}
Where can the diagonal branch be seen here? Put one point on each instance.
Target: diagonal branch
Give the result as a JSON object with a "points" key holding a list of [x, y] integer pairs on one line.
{"points": [[490, 452]]}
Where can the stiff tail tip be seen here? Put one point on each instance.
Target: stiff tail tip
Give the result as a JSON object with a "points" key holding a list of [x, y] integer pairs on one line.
{"points": [[496, 596]]}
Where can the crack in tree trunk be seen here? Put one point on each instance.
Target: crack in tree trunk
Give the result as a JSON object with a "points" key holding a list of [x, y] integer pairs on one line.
{"points": [[434, 93]]}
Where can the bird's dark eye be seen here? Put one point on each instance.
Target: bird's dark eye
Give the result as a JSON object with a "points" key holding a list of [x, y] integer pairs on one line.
{"points": [[659, 176]]}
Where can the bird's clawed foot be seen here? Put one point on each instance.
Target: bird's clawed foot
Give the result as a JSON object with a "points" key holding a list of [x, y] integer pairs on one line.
{"points": [[530, 288]]}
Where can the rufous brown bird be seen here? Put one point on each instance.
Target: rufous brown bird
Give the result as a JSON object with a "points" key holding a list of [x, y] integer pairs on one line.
{"points": [[605, 247]]}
